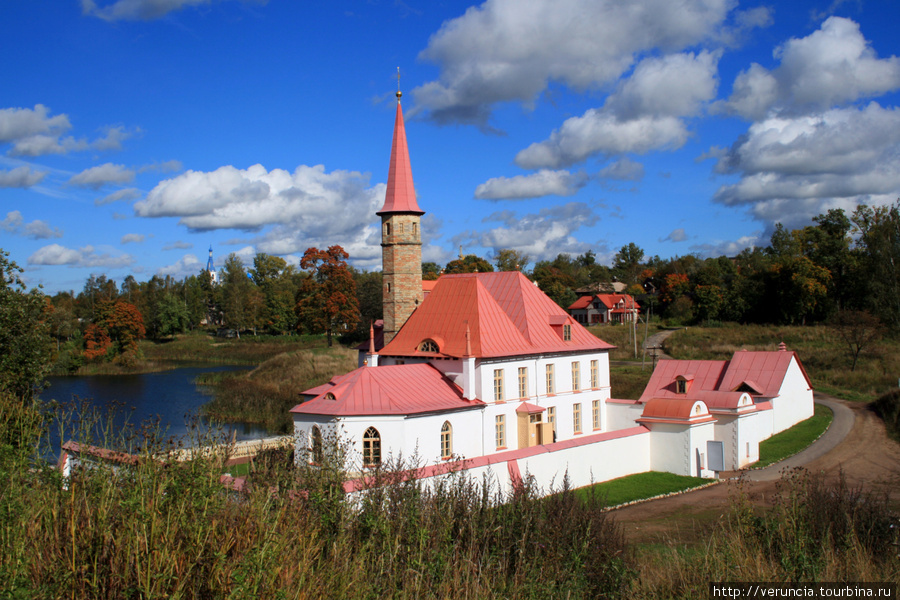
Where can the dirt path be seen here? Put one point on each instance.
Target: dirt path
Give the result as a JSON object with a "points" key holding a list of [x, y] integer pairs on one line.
{"points": [[656, 341], [855, 443]]}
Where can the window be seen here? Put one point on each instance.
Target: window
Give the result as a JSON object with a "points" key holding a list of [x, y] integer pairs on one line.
{"points": [[576, 417], [415, 228], [371, 448], [595, 414], [316, 435], [551, 417], [576, 376], [428, 346], [523, 382], [387, 229], [549, 379], [567, 333], [595, 374], [446, 440], [329, 396], [681, 386], [534, 418], [498, 385], [500, 431]]}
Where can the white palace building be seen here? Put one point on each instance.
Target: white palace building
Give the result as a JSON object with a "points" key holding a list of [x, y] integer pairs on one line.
{"points": [[488, 374]]}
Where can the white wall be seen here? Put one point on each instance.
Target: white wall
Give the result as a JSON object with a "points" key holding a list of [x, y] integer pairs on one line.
{"points": [[622, 416], [795, 399]]}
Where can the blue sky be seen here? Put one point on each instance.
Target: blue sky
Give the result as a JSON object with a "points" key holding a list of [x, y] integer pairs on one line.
{"points": [[134, 134]]}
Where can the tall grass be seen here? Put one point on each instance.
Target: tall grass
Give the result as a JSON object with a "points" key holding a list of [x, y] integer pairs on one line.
{"points": [[823, 354]]}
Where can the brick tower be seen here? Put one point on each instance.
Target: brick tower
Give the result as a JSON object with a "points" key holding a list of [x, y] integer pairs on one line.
{"points": [[401, 240]]}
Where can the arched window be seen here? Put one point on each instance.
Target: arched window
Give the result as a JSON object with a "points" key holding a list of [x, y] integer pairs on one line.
{"points": [[428, 346], [446, 440], [329, 396], [371, 448], [316, 435]]}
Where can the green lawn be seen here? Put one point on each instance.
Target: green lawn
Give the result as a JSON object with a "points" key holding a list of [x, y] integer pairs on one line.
{"points": [[640, 486], [793, 440]]}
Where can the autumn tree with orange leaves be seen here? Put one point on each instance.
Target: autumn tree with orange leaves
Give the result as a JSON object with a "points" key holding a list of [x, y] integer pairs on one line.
{"points": [[115, 332], [327, 299]]}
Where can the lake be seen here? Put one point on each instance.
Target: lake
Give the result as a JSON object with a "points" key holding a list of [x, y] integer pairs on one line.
{"points": [[171, 397]]}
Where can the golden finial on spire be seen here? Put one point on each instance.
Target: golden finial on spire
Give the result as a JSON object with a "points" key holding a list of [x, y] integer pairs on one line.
{"points": [[399, 93]]}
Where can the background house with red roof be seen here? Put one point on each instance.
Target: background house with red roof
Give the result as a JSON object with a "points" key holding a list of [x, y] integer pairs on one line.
{"points": [[605, 308]]}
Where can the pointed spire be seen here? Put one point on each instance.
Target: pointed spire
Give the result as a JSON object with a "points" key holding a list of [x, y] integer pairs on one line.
{"points": [[468, 341], [401, 194], [371, 338]]}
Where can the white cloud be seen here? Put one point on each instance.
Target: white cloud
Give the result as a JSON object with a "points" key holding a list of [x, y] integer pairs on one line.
{"points": [[37, 230], [19, 123], [139, 10], [308, 207], [509, 50], [88, 256], [645, 113], [97, 177], [829, 67], [677, 235], [542, 236], [186, 266], [32, 132], [536, 185], [112, 139], [624, 169], [133, 238], [123, 194], [178, 246], [728, 248], [21, 177], [792, 169]]}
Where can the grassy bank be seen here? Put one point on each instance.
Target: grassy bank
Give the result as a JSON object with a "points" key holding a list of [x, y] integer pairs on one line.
{"points": [[640, 487], [628, 383], [620, 336], [266, 394], [823, 354], [791, 441]]}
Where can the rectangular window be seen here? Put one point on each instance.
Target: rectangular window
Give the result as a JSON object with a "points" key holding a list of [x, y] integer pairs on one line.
{"points": [[549, 379], [498, 385], [551, 417], [567, 333], [523, 382], [500, 431], [595, 414], [595, 374], [576, 417], [576, 376]]}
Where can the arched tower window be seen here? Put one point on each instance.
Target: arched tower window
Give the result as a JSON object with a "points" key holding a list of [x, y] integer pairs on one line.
{"points": [[446, 440], [316, 435], [371, 448]]}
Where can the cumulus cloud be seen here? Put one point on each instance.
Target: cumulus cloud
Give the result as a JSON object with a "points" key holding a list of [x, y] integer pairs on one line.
{"points": [[123, 194], [139, 10], [33, 132], [133, 238], [677, 235], [19, 123], [829, 67], [729, 248], [308, 207], [542, 236], [536, 185], [793, 168], [507, 50], [624, 169], [646, 112], [88, 256], [186, 266], [97, 177], [21, 177], [178, 246], [38, 230]]}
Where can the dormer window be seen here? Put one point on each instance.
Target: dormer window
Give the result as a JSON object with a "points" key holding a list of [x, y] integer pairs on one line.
{"points": [[429, 346], [567, 333], [330, 396], [681, 385]]}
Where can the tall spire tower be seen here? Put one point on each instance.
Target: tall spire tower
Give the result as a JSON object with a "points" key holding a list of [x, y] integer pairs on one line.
{"points": [[401, 240]]}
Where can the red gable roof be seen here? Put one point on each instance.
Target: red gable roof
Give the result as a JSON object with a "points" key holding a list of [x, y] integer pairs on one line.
{"points": [[387, 390], [400, 196], [505, 313], [703, 374], [608, 300], [762, 371]]}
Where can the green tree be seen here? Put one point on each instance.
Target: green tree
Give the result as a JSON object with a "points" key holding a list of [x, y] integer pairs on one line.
{"points": [[468, 264], [879, 245], [430, 271], [24, 334], [242, 301], [275, 279], [171, 316], [511, 260], [628, 263], [327, 299]]}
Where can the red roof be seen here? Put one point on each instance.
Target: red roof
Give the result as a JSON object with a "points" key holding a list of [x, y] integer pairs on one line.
{"points": [[388, 390], [757, 373], [671, 408], [505, 313], [608, 300], [400, 196]]}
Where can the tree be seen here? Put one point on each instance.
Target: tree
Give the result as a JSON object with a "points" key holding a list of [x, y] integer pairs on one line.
{"points": [[511, 260], [627, 263], [171, 316], [430, 271], [370, 297], [275, 279], [468, 264], [858, 329], [327, 298], [879, 246], [24, 334], [242, 301], [115, 332]]}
